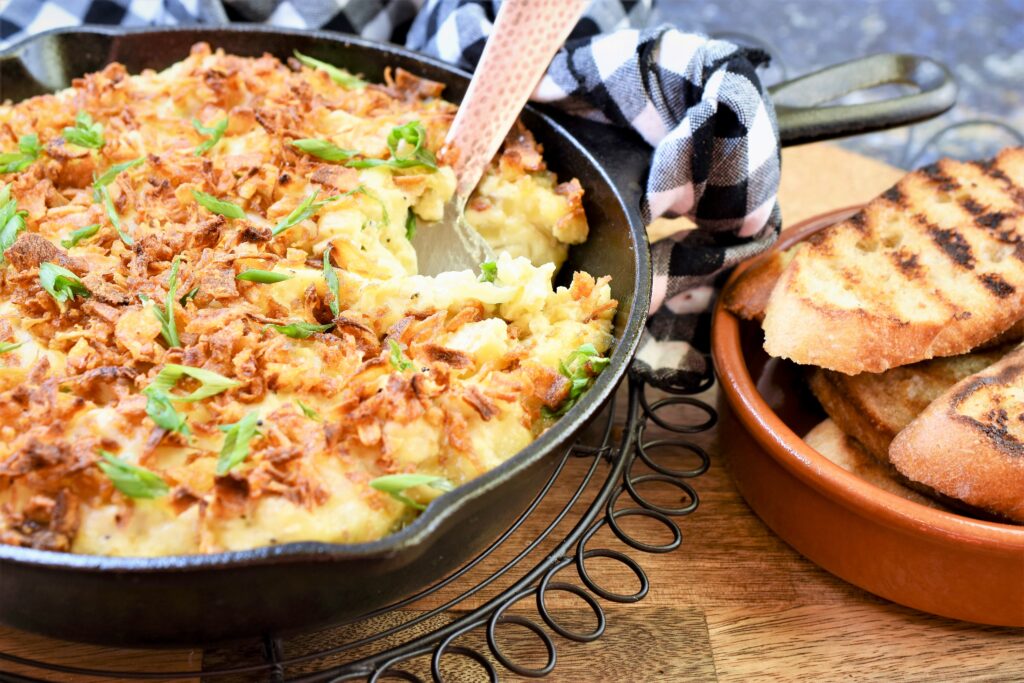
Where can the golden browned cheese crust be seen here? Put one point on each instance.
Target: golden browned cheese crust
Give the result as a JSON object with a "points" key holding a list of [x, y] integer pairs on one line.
{"points": [[933, 267], [444, 376], [969, 443]]}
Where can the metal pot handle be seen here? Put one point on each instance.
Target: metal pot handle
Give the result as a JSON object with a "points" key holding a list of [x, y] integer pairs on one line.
{"points": [[802, 120]]}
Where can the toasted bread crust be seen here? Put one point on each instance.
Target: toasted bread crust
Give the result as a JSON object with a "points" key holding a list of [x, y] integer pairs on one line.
{"points": [[828, 439], [933, 267], [747, 296], [861, 420], [874, 408], [968, 443]]}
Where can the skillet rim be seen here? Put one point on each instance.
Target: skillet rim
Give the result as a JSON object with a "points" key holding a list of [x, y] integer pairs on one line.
{"points": [[427, 525]]}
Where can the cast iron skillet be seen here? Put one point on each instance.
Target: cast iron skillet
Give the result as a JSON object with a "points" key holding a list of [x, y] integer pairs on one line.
{"points": [[205, 598]]}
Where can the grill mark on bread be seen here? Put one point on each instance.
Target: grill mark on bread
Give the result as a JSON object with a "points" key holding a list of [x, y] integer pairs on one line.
{"points": [[990, 170], [895, 195], [951, 242], [996, 284], [907, 263], [937, 174], [991, 221], [977, 225], [857, 222], [996, 430], [971, 206]]}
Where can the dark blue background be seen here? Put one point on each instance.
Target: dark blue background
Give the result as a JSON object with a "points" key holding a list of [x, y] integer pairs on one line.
{"points": [[982, 41]]}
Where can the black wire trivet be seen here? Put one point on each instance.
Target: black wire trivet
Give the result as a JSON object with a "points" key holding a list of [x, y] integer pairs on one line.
{"points": [[606, 495]]}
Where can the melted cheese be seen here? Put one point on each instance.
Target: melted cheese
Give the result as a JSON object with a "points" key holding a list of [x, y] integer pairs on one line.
{"points": [[475, 360]]}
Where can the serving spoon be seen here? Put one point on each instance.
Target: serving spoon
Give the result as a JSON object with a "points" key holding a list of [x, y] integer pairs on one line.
{"points": [[525, 37]]}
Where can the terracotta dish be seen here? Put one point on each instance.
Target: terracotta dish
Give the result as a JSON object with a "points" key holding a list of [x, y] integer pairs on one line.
{"points": [[929, 559]]}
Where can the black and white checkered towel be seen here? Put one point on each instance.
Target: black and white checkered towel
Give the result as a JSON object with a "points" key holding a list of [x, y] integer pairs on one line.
{"points": [[698, 102]]}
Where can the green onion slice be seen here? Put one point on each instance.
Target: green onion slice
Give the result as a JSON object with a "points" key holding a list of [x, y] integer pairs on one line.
{"points": [[85, 133], [115, 220], [76, 236], [339, 76], [266, 277], [488, 271], [108, 176], [132, 480], [29, 150], [236, 443], [395, 486], [7, 347], [397, 358], [218, 206], [61, 283], [331, 277], [301, 329], [582, 366], [322, 149], [215, 133], [210, 383], [162, 412]]}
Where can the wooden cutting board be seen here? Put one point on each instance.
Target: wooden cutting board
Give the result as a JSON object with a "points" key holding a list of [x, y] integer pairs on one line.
{"points": [[734, 603]]}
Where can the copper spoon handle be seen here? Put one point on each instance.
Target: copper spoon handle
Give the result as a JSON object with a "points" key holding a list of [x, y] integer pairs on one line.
{"points": [[526, 36]]}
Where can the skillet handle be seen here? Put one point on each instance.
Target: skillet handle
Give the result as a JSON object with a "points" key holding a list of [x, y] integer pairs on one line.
{"points": [[802, 120]]}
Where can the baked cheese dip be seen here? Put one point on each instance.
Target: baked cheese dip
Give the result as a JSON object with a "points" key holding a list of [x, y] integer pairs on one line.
{"points": [[213, 335]]}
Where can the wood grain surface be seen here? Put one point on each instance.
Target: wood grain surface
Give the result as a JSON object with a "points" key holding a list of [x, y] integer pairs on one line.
{"points": [[734, 603]]}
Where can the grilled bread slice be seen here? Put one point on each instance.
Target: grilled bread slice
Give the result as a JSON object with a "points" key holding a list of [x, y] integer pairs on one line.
{"points": [[874, 407], [829, 440], [933, 267], [747, 296], [969, 443]]}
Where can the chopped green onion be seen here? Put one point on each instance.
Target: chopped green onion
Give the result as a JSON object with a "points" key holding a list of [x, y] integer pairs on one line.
{"points": [[7, 347], [12, 221], [339, 76], [162, 412], [488, 271], [309, 412], [301, 329], [169, 327], [115, 220], [412, 134], [307, 208], [218, 206], [322, 149], [5, 199], [132, 480], [265, 277], [115, 170], [395, 486], [85, 133], [236, 443], [61, 283], [332, 282], [215, 133], [76, 236], [410, 225], [581, 367], [398, 359], [28, 151], [210, 383]]}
